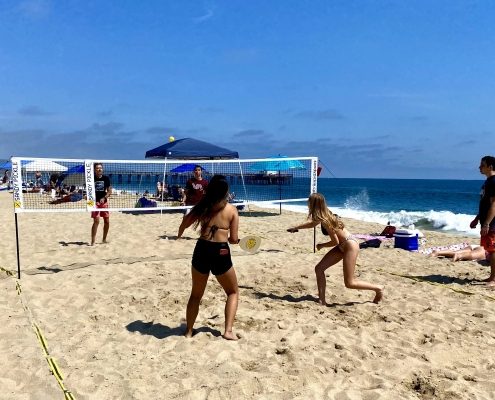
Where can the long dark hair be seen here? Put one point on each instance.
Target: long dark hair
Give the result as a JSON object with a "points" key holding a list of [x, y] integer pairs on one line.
{"points": [[214, 200]]}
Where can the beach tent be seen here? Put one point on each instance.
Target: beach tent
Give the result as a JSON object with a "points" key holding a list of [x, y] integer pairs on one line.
{"points": [[44, 165], [6, 165], [186, 168], [76, 169], [192, 149]]}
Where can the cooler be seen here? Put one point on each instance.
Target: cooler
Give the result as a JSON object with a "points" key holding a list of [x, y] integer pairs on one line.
{"points": [[406, 239]]}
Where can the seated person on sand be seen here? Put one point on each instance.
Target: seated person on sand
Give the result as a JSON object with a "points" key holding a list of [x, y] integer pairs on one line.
{"points": [[470, 253], [145, 202], [71, 197]]}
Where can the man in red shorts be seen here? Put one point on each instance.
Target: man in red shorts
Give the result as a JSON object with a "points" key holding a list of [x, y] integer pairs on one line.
{"points": [[103, 191], [486, 214]]}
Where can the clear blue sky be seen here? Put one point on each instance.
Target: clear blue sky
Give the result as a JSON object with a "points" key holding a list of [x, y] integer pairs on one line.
{"points": [[398, 89]]}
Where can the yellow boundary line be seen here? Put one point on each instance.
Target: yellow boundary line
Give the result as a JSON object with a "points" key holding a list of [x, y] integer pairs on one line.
{"points": [[52, 364]]}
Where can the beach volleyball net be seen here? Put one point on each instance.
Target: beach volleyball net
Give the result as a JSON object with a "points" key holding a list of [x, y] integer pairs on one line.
{"points": [[68, 185]]}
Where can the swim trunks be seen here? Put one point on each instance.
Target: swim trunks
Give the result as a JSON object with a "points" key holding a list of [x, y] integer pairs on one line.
{"points": [[103, 214], [488, 242], [211, 256]]}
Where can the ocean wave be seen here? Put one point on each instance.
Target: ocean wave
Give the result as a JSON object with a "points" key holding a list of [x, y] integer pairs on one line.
{"points": [[445, 221]]}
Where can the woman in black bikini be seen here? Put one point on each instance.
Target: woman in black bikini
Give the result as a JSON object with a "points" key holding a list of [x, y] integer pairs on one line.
{"points": [[345, 248], [217, 218]]}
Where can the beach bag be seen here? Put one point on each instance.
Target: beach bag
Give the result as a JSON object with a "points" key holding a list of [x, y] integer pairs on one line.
{"points": [[370, 243]]}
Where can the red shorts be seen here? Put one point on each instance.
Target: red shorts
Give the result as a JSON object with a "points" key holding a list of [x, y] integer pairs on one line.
{"points": [[488, 242], [103, 214]]}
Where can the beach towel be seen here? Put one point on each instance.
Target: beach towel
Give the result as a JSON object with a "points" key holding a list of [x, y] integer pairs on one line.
{"points": [[453, 247], [371, 237]]}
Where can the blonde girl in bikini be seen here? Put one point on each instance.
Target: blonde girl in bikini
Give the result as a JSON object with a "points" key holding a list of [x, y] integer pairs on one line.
{"points": [[344, 247]]}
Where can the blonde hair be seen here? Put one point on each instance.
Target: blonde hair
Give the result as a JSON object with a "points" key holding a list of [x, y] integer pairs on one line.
{"points": [[319, 212]]}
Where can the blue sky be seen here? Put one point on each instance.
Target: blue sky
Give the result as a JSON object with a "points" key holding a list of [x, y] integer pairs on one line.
{"points": [[392, 89]]}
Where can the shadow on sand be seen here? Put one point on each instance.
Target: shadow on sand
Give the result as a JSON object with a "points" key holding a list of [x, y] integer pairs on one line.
{"points": [[162, 331]]}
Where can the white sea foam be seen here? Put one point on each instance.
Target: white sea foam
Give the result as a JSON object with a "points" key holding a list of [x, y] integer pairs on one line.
{"points": [[436, 220]]}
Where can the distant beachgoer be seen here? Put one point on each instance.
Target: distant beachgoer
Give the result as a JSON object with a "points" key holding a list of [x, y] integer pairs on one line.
{"points": [[103, 190], [345, 247], [159, 189], [195, 187], [72, 197], [5, 178], [38, 179], [486, 214], [212, 253], [470, 253]]}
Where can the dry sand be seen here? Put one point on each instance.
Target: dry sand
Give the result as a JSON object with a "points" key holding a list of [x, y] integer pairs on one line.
{"points": [[113, 315]]}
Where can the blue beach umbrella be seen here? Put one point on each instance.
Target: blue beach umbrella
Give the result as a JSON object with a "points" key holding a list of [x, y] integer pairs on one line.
{"points": [[277, 164]]}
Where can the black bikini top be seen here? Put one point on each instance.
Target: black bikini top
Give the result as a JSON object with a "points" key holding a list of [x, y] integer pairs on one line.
{"points": [[323, 230]]}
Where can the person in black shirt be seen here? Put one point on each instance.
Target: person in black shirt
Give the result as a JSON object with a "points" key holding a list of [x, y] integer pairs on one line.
{"points": [[103, 191], [486, 214]]}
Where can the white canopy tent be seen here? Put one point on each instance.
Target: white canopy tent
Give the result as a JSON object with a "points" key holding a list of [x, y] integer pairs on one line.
{"points": [[44, 166]]}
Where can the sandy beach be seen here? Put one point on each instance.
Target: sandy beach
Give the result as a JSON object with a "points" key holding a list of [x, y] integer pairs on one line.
{"points": [[112, 316]]}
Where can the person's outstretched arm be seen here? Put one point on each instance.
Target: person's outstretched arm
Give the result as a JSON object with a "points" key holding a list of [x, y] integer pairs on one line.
{"points": [[306, 225], [187, 221]]}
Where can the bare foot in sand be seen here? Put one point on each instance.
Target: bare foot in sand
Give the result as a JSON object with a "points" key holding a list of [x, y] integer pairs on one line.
{"points": [[378, 296], [229, 335], [188, 334], [490, 283], [434, 253], [322, 302]]}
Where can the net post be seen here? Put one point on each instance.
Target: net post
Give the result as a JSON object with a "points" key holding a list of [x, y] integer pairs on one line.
{"points": [[90, 185], [18, 203], [17, 247]]}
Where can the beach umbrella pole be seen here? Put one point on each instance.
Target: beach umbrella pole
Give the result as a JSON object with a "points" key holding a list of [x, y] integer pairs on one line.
{"points": [[17, 247]]}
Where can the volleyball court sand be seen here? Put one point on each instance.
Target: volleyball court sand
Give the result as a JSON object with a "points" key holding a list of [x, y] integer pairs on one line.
{"points": [[113, 316]]}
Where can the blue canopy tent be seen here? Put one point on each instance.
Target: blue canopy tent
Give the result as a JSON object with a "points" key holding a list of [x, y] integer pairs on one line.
{"points": [[6, 165], [76, 169], [185, 168], [192, 149]]}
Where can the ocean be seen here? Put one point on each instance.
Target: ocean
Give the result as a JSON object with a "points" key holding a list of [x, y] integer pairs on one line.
{"points": [[442, 205]]}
